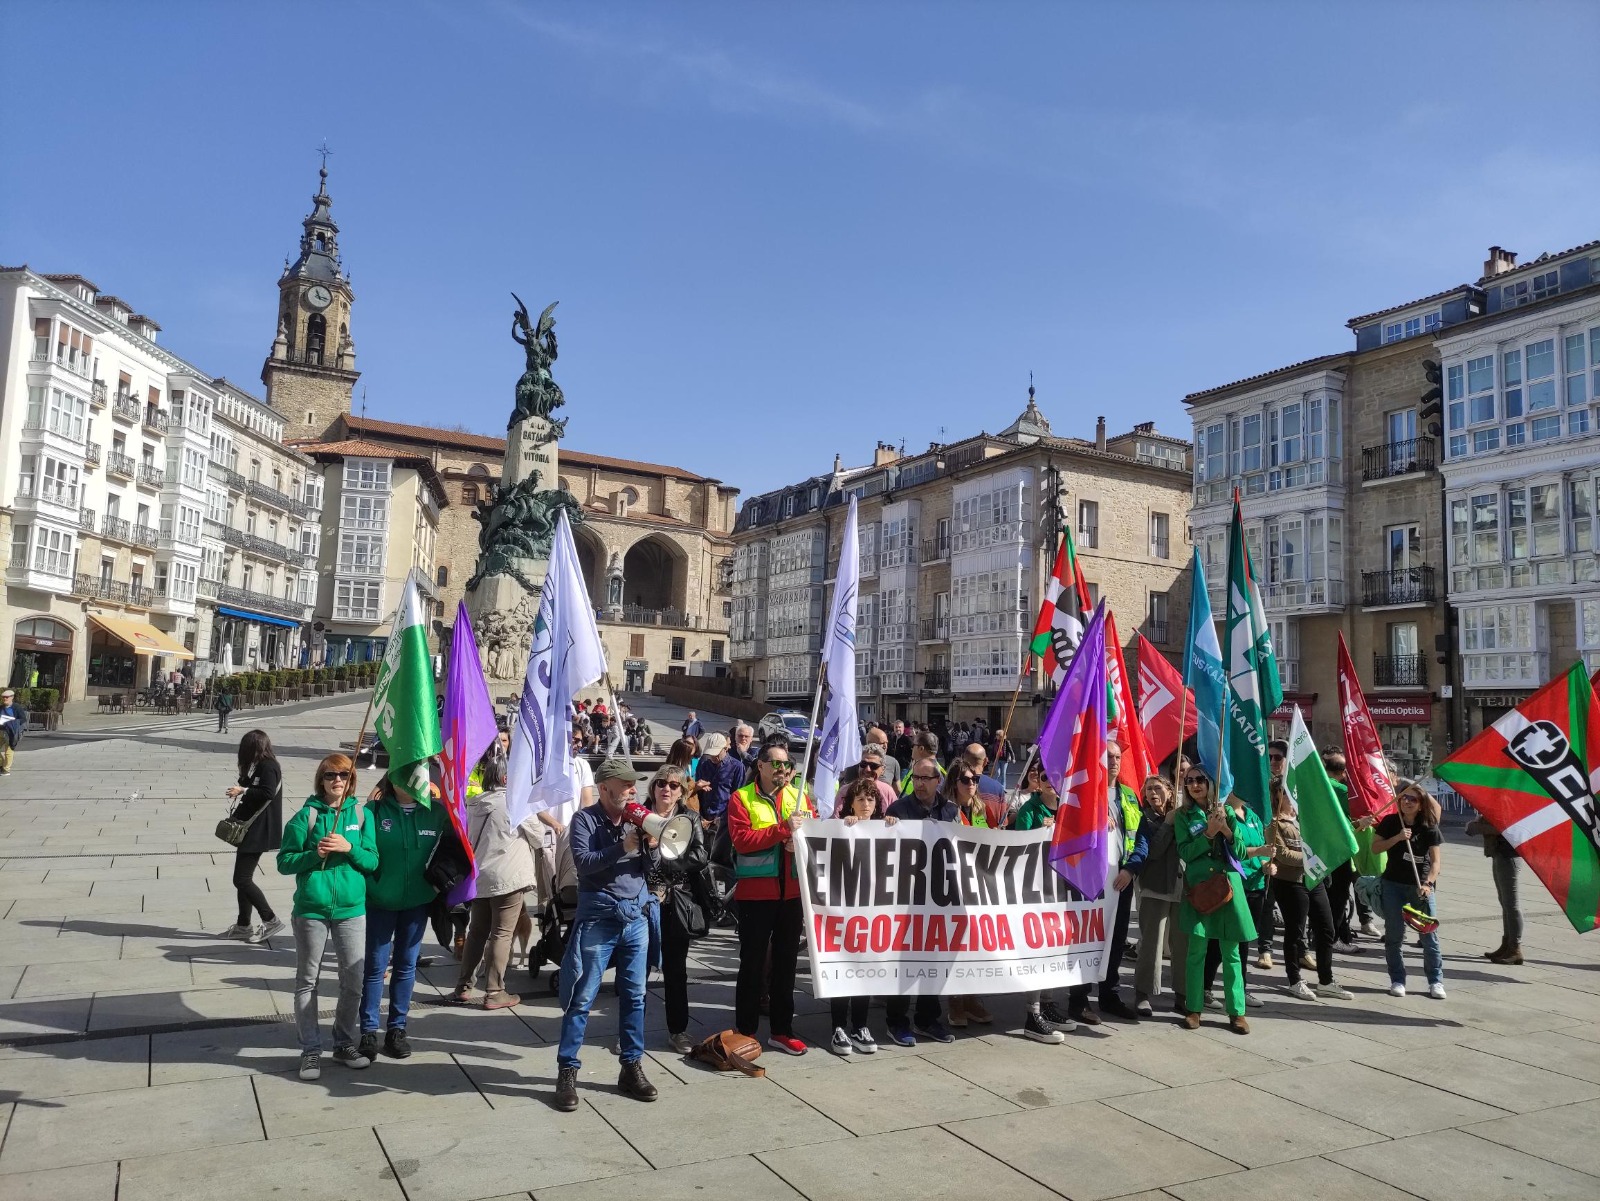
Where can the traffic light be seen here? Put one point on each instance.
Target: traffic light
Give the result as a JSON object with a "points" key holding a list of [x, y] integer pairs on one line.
{"points": [[1433, 398]]}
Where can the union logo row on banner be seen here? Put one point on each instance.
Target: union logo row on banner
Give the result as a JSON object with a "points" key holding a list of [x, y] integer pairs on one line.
{"points": [[937, 908]]}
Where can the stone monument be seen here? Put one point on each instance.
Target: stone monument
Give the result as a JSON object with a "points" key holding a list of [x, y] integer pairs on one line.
{"points": [[518, 518]]}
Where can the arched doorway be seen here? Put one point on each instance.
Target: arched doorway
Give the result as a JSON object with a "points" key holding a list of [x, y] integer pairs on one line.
{"points": [[41, 654], [591, 560], [655, 576]]}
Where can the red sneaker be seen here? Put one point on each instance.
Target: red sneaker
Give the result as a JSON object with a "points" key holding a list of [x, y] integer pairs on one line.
{"points": [[788, 1044]]}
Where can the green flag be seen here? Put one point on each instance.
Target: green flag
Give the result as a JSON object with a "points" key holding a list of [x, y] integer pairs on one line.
{"points": [[1252, 669], [407, 716], [1325, 831]]}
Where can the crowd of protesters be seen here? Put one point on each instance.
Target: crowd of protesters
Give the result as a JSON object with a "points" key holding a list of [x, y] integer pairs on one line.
{"points": [[363, 884]]}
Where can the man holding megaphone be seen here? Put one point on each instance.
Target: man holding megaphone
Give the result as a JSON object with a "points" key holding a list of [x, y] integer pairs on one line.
{"points": [[607, 851]]}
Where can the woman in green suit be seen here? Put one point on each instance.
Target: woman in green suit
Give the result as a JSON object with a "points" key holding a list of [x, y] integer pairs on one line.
{"points": [[1212, 840]]}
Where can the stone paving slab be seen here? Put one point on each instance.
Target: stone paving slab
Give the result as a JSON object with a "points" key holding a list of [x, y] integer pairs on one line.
{"points": [[907, 1165], [1451, 1165], [1565, 1136], [1313, 1179], [1382, 1103], [316, 1167], [86, 1182]]}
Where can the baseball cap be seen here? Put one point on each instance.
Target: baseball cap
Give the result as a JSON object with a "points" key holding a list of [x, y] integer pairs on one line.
{"points": [[617, 769]]}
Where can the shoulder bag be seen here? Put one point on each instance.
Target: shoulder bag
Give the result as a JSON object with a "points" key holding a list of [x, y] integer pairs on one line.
{"points": [[1211, 894], [232, 831], [730, 1051]]}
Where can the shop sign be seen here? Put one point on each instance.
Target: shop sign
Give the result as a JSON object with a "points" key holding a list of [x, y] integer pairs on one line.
{"points": [[1302, 701], [636, 664], [1401, 711]]}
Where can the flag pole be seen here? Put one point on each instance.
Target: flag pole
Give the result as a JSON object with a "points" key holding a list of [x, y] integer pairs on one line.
{"points": [[1005, 730], [1183, 718], [811, 728]]}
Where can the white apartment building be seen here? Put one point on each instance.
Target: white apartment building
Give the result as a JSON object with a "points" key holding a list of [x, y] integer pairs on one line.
{"points": [[260, 539], [1521, 476]]}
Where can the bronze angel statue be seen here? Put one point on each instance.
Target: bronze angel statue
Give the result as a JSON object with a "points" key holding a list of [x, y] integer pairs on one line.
{"points": [[538, 394]]}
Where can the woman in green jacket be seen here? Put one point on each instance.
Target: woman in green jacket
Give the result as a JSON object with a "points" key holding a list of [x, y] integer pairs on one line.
{"points": [[1212, 841], [328, 849], [398, 899]]}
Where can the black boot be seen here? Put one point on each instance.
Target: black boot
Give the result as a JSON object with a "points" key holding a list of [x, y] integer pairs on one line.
{"points": [[369, 1044], [395, 1043], [567, 1089], [632, 1082]]}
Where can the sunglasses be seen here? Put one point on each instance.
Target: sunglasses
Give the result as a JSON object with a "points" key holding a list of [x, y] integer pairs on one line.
{"points": [[966, 779], [335, 775], [867, 766], [779, 764], [670, 784], [1193, 780]]}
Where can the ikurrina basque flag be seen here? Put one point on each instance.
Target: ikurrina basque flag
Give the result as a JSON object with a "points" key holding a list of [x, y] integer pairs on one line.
{"points": [[1063, 614], [1533, 775]]}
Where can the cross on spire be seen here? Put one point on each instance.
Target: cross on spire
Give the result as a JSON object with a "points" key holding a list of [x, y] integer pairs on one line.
{"points": [[324, 152]]}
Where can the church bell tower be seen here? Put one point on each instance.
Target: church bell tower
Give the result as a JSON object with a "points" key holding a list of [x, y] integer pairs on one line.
{"points": [[311, 371]]}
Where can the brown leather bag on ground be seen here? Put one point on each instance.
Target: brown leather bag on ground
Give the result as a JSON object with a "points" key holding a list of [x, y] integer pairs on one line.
{"points": [[730, 1051]]}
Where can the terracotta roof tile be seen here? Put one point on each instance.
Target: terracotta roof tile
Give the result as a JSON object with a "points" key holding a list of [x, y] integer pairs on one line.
{"points": [[1325, 360], [425, 433], [1395, 308], [1541, 260]]}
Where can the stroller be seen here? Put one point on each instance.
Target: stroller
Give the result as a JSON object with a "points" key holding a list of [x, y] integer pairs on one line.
{"points": [[557, 888]]}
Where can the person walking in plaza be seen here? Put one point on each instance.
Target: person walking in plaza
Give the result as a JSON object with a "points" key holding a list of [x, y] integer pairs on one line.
{"points": [[1000, 754], [682, 897], [610, 926], [691, 727], [1160, 890], [504, 857], [1301, 906], [861, 801], [257, 799], [1122, 827], [762, 819], [1212, 839], [328, 847], [1503, 864], [1412, 840], [398, 899], [925, 804], [223, 705], [13, 725], [1044, 1022]]}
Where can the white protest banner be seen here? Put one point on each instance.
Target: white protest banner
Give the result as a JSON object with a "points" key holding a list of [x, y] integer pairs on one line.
{"points": [[936, 908]]}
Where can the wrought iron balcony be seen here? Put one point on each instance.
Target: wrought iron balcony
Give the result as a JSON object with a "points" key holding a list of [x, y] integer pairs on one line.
{"points": [[269, 495], [258, 545], [151, 476], [145, 535], [1400, 671], [91, 454], [97, 394], [261, 602], [102, 589], [1402, 586], [118, 529], [118, 463], [935, 550], [936, 679], [935, 629], [637, 616], [86, 520], [155, 420], [1155, 631], [227, 475], [126, 406], [1405, 457]]}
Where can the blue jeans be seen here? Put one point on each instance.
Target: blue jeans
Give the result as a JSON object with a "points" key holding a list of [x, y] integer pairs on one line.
{"points": [[1396, 895], [399, 930], [597, 933]]}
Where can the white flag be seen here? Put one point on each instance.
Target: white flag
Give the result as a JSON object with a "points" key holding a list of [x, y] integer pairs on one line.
{"points": [[566, 657], [841, 733]]}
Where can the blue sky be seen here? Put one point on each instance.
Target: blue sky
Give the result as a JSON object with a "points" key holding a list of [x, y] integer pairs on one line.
{"points": [[780, 231]]}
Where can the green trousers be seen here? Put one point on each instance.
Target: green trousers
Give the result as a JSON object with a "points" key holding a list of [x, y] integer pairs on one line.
{"points": [[1232, 976]]}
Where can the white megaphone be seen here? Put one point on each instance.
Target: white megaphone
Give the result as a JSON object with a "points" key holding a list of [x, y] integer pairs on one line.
{"points": [[672, 834]]}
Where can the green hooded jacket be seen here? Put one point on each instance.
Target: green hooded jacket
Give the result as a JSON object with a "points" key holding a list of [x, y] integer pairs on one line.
{"points": [[404, 841], [334, 888]]}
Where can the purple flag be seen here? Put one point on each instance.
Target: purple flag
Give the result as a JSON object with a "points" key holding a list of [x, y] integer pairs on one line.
{"points": [[1072, 747], [467, 728]]}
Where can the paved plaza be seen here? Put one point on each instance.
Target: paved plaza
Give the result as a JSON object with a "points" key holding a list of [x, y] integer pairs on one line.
{"points": [[142, 1057]]}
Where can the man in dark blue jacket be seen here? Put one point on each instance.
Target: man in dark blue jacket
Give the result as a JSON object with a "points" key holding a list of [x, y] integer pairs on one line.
{"points": [[923, 805]]}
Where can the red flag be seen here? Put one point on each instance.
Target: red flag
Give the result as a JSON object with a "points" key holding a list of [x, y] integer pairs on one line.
{"points": [[1371, 793], [1137, 765], [1161, 694]]}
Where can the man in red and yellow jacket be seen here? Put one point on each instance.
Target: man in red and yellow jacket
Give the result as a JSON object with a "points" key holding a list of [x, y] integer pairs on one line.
{"points": [[762, 818]]}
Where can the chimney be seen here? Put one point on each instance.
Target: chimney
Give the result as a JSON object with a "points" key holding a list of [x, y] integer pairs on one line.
{"points": [[1100, 434], [884, 453], [838, 464], [1499, 262]]}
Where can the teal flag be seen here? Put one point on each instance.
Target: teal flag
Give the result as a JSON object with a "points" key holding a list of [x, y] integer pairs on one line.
{"points": [[407, 715], [1202, 672], [1253, 688], [1325, 831]]}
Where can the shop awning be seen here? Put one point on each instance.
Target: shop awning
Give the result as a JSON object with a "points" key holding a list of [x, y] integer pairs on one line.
{"points": [[246, 615], [143, 637]]}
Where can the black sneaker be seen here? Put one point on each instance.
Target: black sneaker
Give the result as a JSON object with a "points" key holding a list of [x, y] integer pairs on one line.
{"points": [[351, 1058], [368, 1045], [1036, 1029], [395, 1043], [936, 1030], [567, 1089], [1054, 1015], [1115, 1007]]}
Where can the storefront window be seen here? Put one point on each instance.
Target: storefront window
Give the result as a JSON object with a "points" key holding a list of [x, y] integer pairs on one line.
{"points": [[1409, 747], [112, 664]]}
